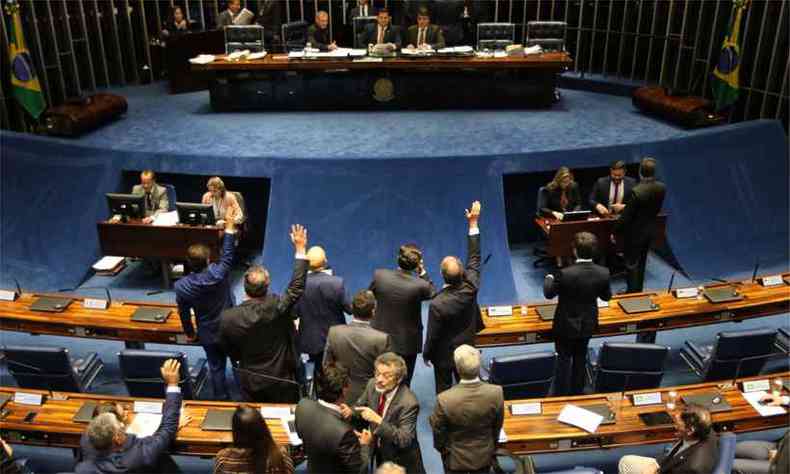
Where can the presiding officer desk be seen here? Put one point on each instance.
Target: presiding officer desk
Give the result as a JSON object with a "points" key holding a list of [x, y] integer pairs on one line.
{"points": [[277, 82], [526, 434], [524, 325]]}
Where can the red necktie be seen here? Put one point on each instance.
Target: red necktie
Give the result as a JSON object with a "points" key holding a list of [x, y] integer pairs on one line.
{"points": [[382, 401]]}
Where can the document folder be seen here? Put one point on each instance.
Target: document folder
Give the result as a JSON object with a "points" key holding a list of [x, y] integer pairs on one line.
{"points": [[722, 294], [50, 304], [85, 413], [217, 420], [151, 315], [713, 401], [603, 410], [638, 305], [546, 313]]}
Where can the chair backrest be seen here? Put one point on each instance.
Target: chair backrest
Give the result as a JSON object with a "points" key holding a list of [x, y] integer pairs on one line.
{"points": [[550, 35], [495, 35], [726, 453], [629, 366], [140, 370], [543, 198], [741, 353], [43, 368], [524, 375], [294, 35], [241, 37], [171, 196], [360, 23]]}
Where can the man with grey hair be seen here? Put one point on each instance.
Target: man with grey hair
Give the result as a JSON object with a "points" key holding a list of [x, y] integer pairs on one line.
{"points": [[390, 468], [117, 452], [468, 417]]}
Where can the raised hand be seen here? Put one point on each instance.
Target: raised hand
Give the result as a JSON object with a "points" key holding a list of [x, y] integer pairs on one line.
{"points": [[299, 238], [473, 214], [171, 371]]}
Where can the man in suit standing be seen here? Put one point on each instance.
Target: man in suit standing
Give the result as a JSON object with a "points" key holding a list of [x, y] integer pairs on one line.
{"points": [[234, 15], [270, 17], [399, 294], [576, 317], [117, 452], [608, 193], [323, 305], [318, 35], [362, 8], [454, 316], [330, 443], [424, 35], [156, 201], [357, 345], [206, 293], [391, 409], [467, 418], [259, 333], [382, 32]]}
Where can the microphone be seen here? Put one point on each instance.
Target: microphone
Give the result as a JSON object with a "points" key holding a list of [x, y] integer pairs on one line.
{"points": [[18, 288], [756, 266], [105, 288], [488, 257], [266, 376], [671, 281]]}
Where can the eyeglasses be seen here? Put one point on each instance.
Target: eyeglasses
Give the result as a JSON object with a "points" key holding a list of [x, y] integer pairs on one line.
{"points": [[387, 375]]}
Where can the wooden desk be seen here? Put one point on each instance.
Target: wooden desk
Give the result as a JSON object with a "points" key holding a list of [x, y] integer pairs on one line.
{"points": [[135, 239], [178, 49], [275, 82], [542, 433], [526, 327], [560, 234]]}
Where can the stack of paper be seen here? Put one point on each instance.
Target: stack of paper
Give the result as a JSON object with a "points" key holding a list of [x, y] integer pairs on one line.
{"points": [[202, 59], [166, 218], [109, 265], [533, 50], [457, 50], [290, 428], [764, 410], [579, 417], [275, 412], [144, 424]]}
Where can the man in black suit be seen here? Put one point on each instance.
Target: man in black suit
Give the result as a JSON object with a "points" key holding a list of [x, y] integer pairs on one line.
{"points": [[323, 304], [270, 17], [382, 32], [318, 35], [400, 294], [576, 316], [608, 193], [424, 35], [454, 317], [259, 334], [362, 8]]}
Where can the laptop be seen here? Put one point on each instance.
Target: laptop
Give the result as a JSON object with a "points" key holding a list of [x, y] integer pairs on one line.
{"points": [[151, 315], [722, 294], [51, 304], [603, 410], [217, 420], [85, 413], [713, 401], [546, 313], [638, 305], [573, 216]]}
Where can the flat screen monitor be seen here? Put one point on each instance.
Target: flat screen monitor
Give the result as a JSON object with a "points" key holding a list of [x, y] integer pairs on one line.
{"points": [[128, 206], [192, 213]]}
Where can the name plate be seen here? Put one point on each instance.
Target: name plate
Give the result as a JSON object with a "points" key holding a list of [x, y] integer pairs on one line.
{"points": [[756, 386], [91, 303], [8, 295], [773, 280], [526, 409], [641, 399], [686, 292], [601, 303], [153, 408], [28, 398], [500, 310]]}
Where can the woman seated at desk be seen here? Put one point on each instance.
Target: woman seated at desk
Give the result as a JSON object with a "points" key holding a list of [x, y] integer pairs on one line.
{"points": [[561, 195], [177, 24], [222, 200]]}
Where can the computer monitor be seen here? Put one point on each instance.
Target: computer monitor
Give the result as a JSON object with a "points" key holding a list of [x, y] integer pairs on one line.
{"points": [[128, 206], [192, 213]]}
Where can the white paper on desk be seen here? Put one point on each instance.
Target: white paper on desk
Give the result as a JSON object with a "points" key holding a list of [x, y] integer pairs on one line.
{"points": [[457, 49], [764, 410], [579, 417], [296, 55], [166, 218], [358, 53], [293, 436], [500, 54], [533, 50], [203, 59], [275, 412], [502, 435], [260, 55], [144, 424], [107, 263]]}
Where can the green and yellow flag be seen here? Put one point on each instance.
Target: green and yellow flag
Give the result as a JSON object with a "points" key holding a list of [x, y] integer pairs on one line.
{"points": [[24, 82], [725, 81]]}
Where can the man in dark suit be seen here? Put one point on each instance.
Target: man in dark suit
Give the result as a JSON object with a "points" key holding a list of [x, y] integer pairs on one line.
{"points": [[392, 409], [318, 35], [697, 452], [206, 292], [454, 316], [234, 15], [330, 443], [424, 35], [362, 8], [259, 334], [468, 417], [449, 15], [382, 32], [399, 294], [608, 193], [357, 345], [118, 452], [156, 201], [323, 305], [576, 316], [270, 17]]}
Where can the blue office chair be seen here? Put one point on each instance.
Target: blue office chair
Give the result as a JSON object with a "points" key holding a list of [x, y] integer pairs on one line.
{"points": [[543, 256], [51, 368], [726, 453], [171, 196], [524, 375], [140, 370], [495, 35], [621, 366], [783, 340], [735, 353], [577, 470]]}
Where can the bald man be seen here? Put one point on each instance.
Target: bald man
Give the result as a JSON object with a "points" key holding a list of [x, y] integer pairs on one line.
{"points": [[322, 306], [318, 35], [454, 317]]}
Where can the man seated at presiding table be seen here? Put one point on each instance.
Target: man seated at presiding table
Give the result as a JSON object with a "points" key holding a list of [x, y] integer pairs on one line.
{"points": [[233, 15], [562, 195], [608, 193], [222, 201], [318, 34], [424, 35], [382, 32], [156, 200]]}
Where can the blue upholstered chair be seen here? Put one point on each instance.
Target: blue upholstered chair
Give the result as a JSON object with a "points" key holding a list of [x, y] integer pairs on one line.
{"points": [[726, 453], [741, 353], [495, 35], [525, 375], [51, 368], [621, 366], [140, 370], [783, 340], [171, 196]]}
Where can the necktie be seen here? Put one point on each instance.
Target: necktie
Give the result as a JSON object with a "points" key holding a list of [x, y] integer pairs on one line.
{"points": [[421, 37], [616, 192], [381, 36], [149, 203], [364, 10], [380, 408]]}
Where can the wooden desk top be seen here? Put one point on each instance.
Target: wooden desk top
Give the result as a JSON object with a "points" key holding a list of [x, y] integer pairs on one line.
{"points": [[280, 62], [527, 327]]}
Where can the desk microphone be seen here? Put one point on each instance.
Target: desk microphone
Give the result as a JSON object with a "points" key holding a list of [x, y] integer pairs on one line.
{"points": [[106, 291], [756, 266], [18, 288], [671, 281], [488, 257]]}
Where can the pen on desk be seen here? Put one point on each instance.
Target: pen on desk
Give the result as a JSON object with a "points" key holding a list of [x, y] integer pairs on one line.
{"points": [[153, 292]]}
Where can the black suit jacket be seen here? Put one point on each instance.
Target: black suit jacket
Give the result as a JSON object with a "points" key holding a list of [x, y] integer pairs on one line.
{"points": [[371, 32], [553, 199], [578, 286], [259, 333], [399, 297], [433, 36], [355, 12], [318, 38], [270, 17], [701, 458], [454, 316], [600, 191], [329, 442], [637, 224], [322, 305]]}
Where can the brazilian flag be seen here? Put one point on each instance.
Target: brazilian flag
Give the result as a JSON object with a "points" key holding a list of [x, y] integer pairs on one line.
{"points": [[725, 81], [24, 82]]}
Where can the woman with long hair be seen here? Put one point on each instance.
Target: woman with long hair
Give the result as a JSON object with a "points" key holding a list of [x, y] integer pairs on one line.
{"points": [[254, 450], [562, 194]]}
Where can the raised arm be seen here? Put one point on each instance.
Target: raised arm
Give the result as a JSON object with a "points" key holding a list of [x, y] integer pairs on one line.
{"points": [[473, 245], [296, 287], [220, 270], [158, 443]]}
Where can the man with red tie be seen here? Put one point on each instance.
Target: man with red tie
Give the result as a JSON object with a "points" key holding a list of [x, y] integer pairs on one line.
{"points": [[424, 35], [608, 193]]}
